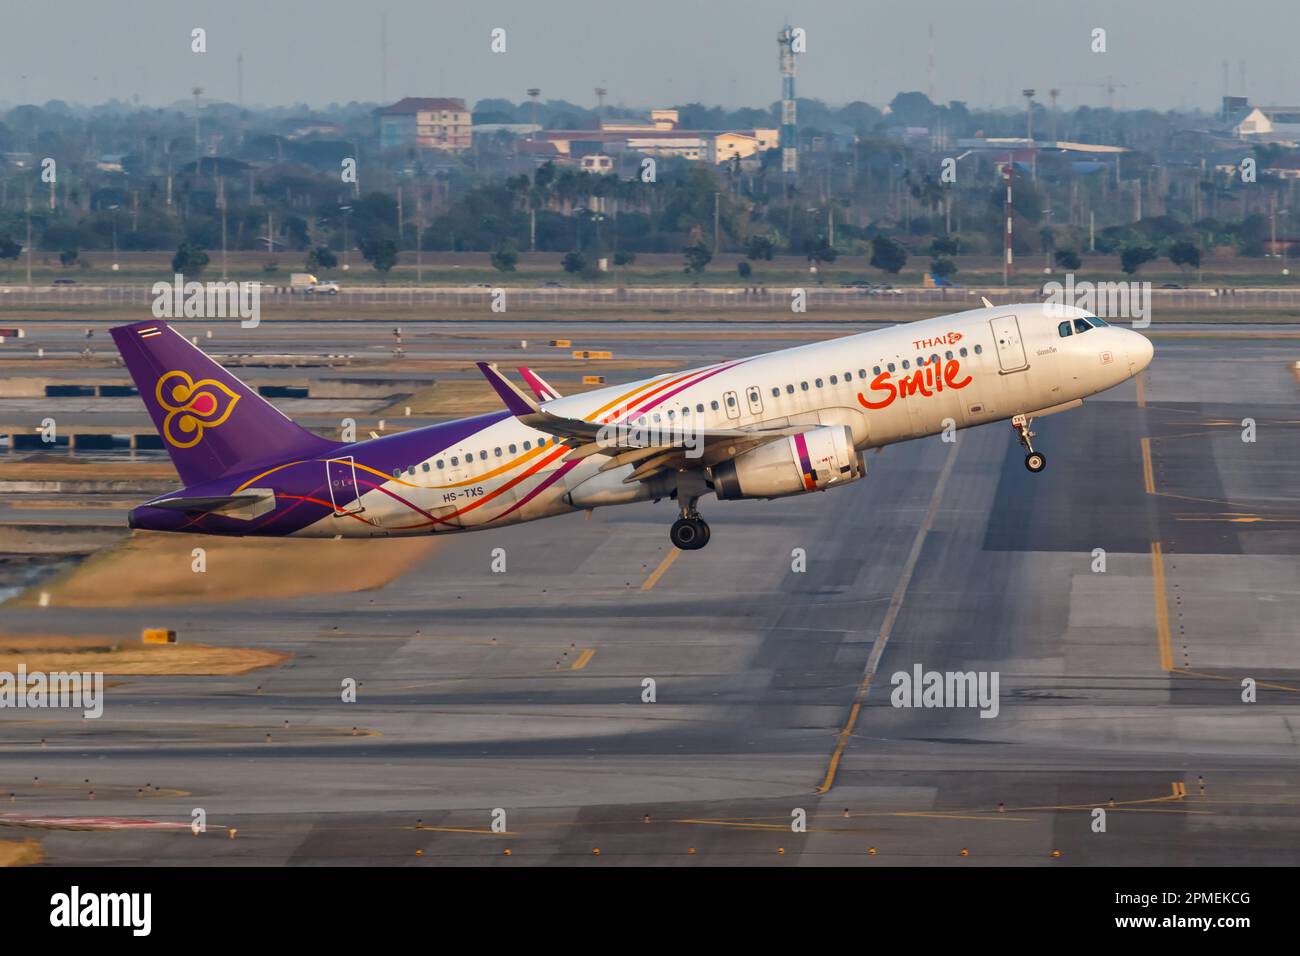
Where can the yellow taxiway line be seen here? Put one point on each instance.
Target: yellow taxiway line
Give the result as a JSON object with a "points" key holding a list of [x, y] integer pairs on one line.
{"points": [[659, 572]]}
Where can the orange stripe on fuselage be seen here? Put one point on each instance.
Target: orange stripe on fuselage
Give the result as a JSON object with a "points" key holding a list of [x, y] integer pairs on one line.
{"points": [[664, 387], [626, 395], [445, 519], [457, 484]]}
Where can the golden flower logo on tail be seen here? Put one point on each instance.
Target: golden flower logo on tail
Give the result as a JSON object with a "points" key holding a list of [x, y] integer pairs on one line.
{"points": [[192, 407]]}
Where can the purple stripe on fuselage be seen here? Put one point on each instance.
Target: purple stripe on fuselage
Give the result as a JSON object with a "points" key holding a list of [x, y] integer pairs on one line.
{"points": [[660, 399]]}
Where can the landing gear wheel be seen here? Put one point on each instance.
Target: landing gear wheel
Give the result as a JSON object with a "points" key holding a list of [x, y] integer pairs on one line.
{"points": [[689, 534], [1035, 461]]}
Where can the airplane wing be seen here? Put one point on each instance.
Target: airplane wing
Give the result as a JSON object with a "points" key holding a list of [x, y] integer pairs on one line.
{"points": [[540, 387], [627, 443]]}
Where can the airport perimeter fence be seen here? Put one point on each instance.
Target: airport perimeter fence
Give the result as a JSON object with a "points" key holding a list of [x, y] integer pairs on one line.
{"points": [[142, 296]]}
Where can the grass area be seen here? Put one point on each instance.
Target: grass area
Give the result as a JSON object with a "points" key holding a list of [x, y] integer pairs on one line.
{"points": [[154, 569], [55, 653], [21, 852], [649, 269]]}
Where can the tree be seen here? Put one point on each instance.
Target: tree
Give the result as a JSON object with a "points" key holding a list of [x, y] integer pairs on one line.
{"points": [[744, 269], [942, 267], [1185, 254], [504, 257], [1068, 259], [944, 246], [759, 247], [573, 262], [624, 258], [697, 256], [1132, 258], [323, 258], [67, 257], [820, 250], [190, 259], [888, 255], [9, 249], [380, 253]]}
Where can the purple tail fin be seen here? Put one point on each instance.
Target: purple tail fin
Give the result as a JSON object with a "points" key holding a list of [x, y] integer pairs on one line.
{"points": [[211, 423]]}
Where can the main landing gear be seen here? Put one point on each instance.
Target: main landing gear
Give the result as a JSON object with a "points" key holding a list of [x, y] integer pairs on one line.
{"points": [[1035, 461], [689, 532]]}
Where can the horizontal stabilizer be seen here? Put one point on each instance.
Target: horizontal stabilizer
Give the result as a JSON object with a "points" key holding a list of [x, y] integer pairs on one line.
{"points": [[249, 505]]}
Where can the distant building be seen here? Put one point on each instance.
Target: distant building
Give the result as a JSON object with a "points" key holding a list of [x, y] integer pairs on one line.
{"points": [[426, 123], [597, 163]]}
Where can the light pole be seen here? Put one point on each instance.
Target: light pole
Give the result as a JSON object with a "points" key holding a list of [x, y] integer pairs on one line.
{"points": [[1029, 113], [533, 93], [346, 258]]}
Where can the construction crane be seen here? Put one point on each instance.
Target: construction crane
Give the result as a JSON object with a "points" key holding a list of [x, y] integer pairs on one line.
{"points": [[1110, 86]]}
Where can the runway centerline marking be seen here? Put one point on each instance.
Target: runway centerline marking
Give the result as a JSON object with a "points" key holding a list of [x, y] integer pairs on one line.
{"points": [[1148, 475], [659, 572], [887, 626], [1162, 607]]}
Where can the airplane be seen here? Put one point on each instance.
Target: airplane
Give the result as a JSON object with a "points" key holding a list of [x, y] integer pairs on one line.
{"points": [[783, 423]]}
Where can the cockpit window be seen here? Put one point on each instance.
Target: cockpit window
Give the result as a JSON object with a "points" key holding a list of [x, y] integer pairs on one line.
{"points": [[1064, 329], [1081, 326], [1096, 322]]}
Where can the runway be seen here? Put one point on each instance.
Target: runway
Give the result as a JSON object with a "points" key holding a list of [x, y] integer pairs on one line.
{"points": [[771, 654]]}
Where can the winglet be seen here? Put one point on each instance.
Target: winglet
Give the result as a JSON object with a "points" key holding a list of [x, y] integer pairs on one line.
{"points": [[516, 401], [541, 388]]}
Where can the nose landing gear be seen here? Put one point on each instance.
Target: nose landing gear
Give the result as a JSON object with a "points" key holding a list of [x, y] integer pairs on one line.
{"points": [[1035, 461]]}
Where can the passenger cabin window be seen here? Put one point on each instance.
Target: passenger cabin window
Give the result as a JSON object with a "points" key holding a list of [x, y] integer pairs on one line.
{"points": [[891, 366], [979, 349], [875, 371], [906, 364], [714, 404], [835, 380], [424, 466], [699, 407], [817, 382], [776, 392], [962, 352], [804, 386], [455, 461], [731, 401]]}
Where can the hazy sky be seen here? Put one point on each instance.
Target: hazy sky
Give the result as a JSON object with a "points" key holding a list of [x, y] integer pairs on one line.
{"points": [[1169, 53]]}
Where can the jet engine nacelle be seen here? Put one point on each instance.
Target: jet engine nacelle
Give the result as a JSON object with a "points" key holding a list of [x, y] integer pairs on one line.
{"points": [[810, 461]]}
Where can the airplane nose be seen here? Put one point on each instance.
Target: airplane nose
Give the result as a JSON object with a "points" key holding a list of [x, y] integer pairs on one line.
{"points": [[1140, 352]]}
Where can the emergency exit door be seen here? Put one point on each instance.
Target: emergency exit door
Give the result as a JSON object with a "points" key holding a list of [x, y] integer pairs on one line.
{"points": [[1011, 350]]}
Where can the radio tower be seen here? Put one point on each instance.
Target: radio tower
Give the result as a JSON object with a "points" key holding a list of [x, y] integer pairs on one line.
{"points": [[789, 135]]}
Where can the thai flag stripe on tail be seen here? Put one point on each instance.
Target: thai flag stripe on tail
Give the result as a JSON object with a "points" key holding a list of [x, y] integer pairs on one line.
{"points": [[149, 333]]}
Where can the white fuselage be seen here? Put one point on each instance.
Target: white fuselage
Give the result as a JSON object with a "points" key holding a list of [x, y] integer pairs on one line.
{"points": [[975, 367]]}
